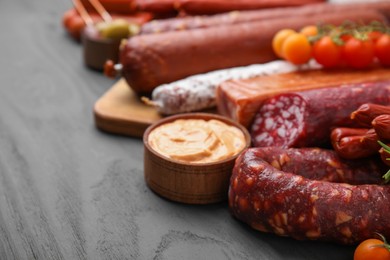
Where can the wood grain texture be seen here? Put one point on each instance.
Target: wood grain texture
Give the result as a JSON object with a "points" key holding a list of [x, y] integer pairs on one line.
{"points": [[69, 191]]}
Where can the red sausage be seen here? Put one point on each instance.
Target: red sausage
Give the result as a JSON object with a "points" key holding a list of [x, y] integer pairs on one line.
{"points": [[155, 59], [304, 119], [354, 143], [367, 112], [221, 6], [381, 125], [288, 204], [385, 156], [234, 17]]}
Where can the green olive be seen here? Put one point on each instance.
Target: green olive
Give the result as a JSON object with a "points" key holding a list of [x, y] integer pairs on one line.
{"points": [[116, 29]]}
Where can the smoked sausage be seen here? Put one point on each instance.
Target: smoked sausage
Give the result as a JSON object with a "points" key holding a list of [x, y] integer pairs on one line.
{"points": [[304, 203], [154, 59], [306, 118]]}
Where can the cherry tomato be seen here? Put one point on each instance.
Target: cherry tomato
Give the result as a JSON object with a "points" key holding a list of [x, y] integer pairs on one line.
{"points": [[278, 40], [371, 249], [358, 53], [374, 35], [309, 30], [345, 37], [326, 52], [297, 49], [382, 49]]}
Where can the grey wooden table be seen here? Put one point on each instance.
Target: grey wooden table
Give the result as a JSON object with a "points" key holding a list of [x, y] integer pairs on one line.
{"points": [[69, 191]]}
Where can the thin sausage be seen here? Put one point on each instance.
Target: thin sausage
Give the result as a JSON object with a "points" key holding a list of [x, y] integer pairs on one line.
{"points": [[381, 125]]}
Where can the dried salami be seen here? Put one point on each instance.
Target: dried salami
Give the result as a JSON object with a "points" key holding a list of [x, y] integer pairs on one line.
{"points": [[303, 203], [304, 119]]}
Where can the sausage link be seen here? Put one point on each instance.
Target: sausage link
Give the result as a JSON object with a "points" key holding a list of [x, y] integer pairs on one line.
{"points": [[288, 204], [154, 59], [367, 112], [114, 6], [220, 6], [306, 118], [354, 143], [385, 156], [381, 125]]}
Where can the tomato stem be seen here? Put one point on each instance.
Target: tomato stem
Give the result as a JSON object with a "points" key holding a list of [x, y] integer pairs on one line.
{"points": [[385, 244]]}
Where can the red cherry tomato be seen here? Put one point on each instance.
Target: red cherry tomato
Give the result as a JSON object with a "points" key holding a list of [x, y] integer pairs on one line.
{"points": [[326, 52], [371, 249], [382, 49], [358, 53], [374, 35]]}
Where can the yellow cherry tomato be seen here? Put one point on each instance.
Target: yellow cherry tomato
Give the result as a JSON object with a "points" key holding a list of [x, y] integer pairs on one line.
{"points": [[309, 30], [278, 40], [297, 49]]}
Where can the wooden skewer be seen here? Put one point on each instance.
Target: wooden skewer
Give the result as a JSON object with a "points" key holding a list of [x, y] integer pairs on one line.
{"points": [[83, 12], [101, 10]]}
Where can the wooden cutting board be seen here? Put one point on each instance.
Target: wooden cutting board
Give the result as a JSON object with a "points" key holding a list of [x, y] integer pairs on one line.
{"points": [[119, 111]]}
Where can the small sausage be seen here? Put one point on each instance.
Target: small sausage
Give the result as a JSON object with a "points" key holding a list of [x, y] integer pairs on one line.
{"points": [[354, 143], [381, 125], [304, 208], [367, 112], [303, 119], [385, 156]]}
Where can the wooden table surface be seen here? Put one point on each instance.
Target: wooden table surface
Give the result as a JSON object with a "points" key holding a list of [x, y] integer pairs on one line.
{"points": [[70, 191]]}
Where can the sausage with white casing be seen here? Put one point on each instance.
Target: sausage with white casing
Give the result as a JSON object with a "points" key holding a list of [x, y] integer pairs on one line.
{"points": [[198, 92]]}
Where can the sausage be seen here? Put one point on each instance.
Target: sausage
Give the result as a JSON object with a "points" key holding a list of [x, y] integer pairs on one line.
{"points": [[220, 6], [154, 59], [234, 17], [381, 125], [158, 7], [304, 119], [198, 92], [385, 156], [367, 112], [354, 143], [212, 6], [114, 6], [241, 99], [306, 208]]}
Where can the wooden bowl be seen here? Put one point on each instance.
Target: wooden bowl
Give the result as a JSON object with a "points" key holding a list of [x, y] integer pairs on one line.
{"points": [[96, 50], [186, 182]]}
